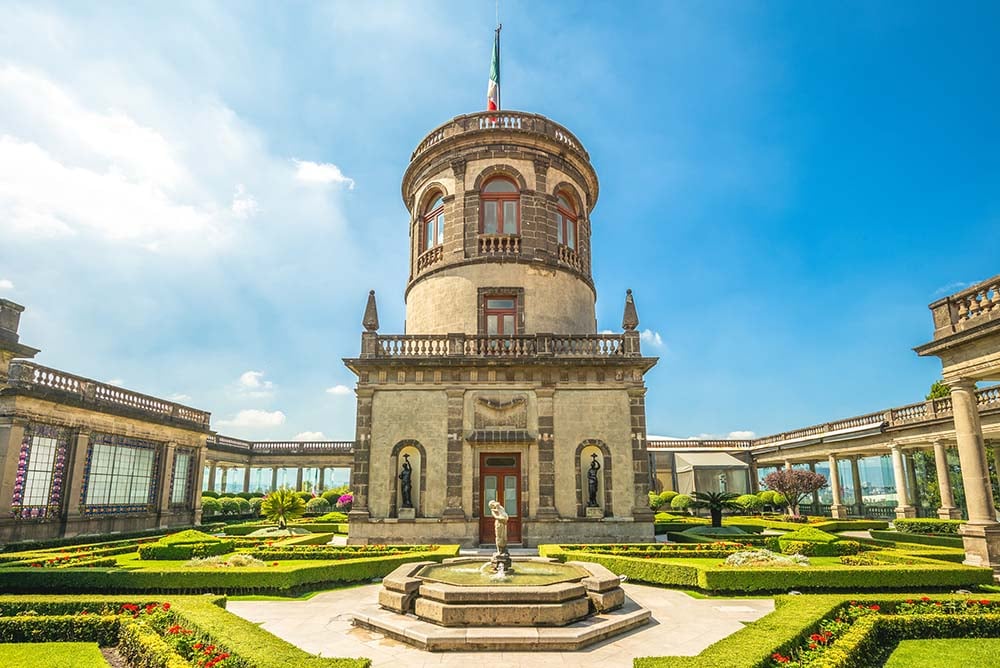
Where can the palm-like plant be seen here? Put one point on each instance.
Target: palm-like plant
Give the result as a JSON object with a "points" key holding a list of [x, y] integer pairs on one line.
{"points": [[282, 505], [716, 502]]}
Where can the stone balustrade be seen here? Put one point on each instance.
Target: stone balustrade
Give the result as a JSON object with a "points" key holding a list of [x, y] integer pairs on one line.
{"points": [[966, 309], [219, 442], [499, 244], [430, 257], [34, 377], [569, 256], [517, 346], [988, 399], [504, 120]]}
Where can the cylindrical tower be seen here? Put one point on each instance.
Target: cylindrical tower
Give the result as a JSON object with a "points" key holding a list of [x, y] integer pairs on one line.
{"points": [[500, 206]]}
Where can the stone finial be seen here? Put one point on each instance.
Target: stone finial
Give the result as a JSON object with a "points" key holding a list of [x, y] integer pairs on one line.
{"points": [[630, 320], [370, 321]]}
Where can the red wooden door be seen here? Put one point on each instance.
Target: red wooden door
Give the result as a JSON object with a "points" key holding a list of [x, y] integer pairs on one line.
{"points": [[500, 480]]}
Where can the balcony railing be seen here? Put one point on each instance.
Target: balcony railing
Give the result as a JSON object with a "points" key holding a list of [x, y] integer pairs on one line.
{"points": [[220, 442], [432, 256], [968, 308], [569, 256], [31, 376], [902, 416], [499, 244], [517, 346], [516, 121]]}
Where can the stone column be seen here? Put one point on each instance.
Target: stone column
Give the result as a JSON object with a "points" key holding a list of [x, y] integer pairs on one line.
{"points": [[640, 458], [788, 465], [903, 507], [947, 511], [166, 477], [320, 486], [996, 461], [754, 482], [837, 509], [11, 437], [211, 476], [453, 510], [274, 478], [75, 475], [815, 494], [225, 476], [196, 484], [246, 478], [981, 535], [546, 456], [912, 487], [362, 453], [298, 479], [859, 497]]}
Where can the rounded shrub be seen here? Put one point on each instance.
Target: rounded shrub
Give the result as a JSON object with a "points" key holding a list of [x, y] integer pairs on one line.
{"points": [[210, 493], [749, 502], [246, 495], [779, 500], [767, 497], [305, 496], [210, 505], [229, 505], [255, 504], [331, 496], [243, 505], [317, 506], [681, 502]]}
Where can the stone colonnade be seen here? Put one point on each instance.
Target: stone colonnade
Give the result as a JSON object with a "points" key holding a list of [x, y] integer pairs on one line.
{"points": [[219, 475]]}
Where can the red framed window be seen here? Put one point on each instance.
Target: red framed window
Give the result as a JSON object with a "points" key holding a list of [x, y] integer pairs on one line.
{"points": [[501, 315], [565, 222], [432, 230], [500, 207]]}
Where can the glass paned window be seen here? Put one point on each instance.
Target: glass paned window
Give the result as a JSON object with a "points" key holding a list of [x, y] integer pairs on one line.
{"points": [[510, 495], [565, 222], [122, 473], [500, 186], [490, 217], [500, 316], [38, 481], [499, 204], [434, 224], [489, 493], [509, 217], [182, 477]]}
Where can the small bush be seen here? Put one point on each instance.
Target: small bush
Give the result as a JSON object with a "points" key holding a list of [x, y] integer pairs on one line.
{"points": [[317, 506], [243, 505], [246, 495], [210, 505], [766, 558], [210, 493], [681, 502], [749, 502], [255, 504], [239, 560], [305, 496], [809, 535], [334, 516], [928, 526], [229, 505]]}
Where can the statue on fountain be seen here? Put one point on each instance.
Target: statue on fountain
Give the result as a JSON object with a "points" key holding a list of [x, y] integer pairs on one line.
{"points": [[501, 561]]}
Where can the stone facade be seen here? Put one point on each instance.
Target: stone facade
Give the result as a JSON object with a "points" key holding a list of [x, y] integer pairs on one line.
{"points": [[82, 457], [539, 397]]}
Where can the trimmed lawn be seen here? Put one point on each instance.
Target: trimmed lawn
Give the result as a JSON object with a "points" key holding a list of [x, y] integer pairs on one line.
{"points": [[957, 653], [53, 654]]}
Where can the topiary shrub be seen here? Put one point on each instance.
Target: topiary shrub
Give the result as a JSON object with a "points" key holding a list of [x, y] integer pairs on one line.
{"points": [[809, 535], [681, 502], [229, 505], [305, 496], [255, 504], [185, 545], [210, 505], [334, 516], [928, 526], [210, 493], [242, 505], [749, 503], [317, 506], [246, 495]]}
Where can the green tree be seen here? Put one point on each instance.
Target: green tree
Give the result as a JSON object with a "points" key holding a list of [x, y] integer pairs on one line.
{"points": [[939, 390], [716, 502], [281, 506]]}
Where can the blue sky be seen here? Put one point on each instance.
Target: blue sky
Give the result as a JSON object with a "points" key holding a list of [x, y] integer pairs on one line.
{"points": [[195, 198]]}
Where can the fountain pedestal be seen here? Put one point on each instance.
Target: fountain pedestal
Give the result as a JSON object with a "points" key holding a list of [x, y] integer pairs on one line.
{"points": [[501, 562]]}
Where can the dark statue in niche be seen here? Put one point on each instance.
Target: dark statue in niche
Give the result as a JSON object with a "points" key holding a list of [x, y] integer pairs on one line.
{"points": [[595, 466], [406, 475]]}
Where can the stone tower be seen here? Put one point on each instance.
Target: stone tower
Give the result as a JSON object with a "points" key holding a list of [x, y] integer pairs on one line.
{"points": [[500, 388]]}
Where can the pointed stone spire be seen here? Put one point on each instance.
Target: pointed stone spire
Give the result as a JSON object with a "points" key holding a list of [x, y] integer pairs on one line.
{"points": [[630, 320], [370, 321]]}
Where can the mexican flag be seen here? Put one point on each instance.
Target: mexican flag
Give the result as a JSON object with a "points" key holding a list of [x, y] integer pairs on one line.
{"points": [[493, 91]]}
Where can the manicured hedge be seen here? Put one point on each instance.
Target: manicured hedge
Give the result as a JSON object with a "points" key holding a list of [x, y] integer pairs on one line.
{"points": [[794, 619], [143, 647], [830, 525], [308, 539], [283, 579], [35, 628], [313, 527], [35, 545], [928, 525], [920, 539], [183, 552]]}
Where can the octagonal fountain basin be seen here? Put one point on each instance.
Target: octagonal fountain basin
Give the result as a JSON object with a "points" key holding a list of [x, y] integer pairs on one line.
{"points": [[473, 572], [460, 604]]}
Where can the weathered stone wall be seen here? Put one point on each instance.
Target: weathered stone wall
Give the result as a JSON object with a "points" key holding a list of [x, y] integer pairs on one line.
{"points": [[555, 301], [419, 415]]}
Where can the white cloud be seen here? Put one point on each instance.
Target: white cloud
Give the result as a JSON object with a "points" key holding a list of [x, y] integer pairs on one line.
{"points": [[953, 287], [244, 204], [6, 284], [652, 338], [339, 390], [744, 435], [254, 418], [309, 436], [321, 172], [117, 382], [179, 398], [738, 435], [253, 384]]}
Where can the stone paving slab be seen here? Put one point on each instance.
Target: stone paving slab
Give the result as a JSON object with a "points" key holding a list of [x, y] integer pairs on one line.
{"points": [[680, 626]]}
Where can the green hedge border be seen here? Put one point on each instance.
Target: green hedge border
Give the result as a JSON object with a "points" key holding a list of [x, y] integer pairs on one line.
{"points": [[919, 539], [920, 573], [793, 619], [206, 579]]}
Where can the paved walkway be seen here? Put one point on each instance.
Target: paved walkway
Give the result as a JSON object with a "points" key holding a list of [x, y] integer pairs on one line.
{"points": [[681, 625]]}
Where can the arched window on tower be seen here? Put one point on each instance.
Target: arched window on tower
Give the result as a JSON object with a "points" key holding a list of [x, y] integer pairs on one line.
{"points": [[500, 207], [565, 221], [432, 232]]}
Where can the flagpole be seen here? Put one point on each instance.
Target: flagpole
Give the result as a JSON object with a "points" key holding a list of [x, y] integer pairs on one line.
{"points": [[499, 27]]}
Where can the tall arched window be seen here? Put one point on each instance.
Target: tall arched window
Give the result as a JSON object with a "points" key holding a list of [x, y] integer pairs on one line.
{"points": [[433, 227], [500, 207], [565, 221]]}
